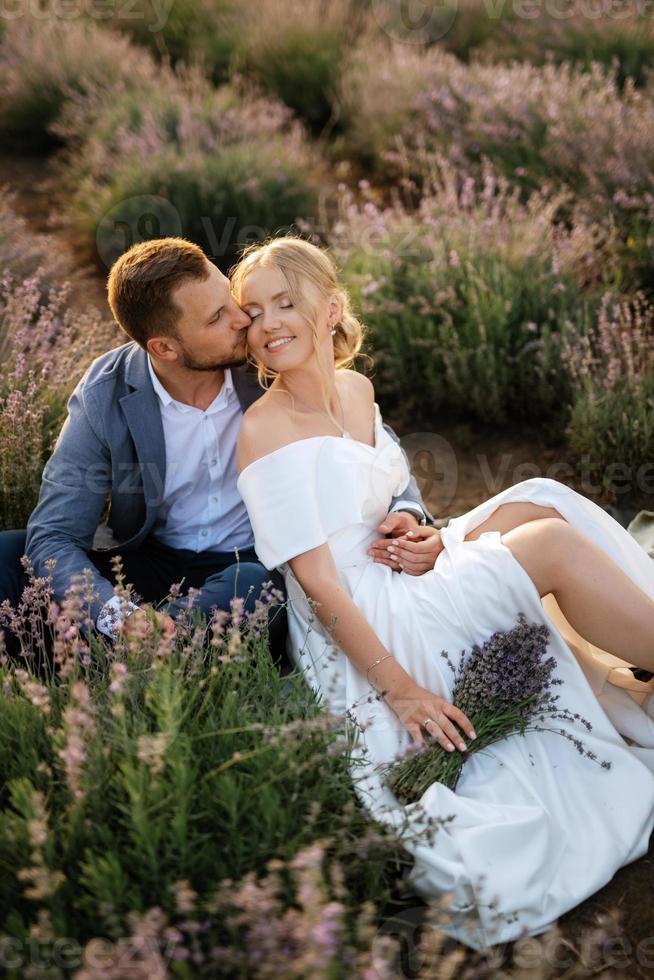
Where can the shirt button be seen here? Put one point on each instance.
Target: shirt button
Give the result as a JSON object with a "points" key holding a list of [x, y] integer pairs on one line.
{"points": [[204, 533], [214, 500], [212, 462]]}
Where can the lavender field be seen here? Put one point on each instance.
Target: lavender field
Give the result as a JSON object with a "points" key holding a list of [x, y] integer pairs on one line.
{"points": [[484, 174]]}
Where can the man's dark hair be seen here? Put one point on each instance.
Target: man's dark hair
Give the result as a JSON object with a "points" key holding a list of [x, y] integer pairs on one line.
{"points": [[142, 280]]}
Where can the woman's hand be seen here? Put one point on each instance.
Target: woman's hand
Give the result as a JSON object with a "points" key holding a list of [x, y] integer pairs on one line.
{"points": [[414, 552], [414, 704]]}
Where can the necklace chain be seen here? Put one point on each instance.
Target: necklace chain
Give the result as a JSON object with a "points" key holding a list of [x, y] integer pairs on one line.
{"points": [[318, 411]]}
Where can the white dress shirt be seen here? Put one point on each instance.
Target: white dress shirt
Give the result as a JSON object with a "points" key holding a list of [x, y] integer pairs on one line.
{"points": [[201, 508]]}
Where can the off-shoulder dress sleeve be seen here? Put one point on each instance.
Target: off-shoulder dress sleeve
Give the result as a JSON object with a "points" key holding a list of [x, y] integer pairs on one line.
{"points": [[280, 493]]}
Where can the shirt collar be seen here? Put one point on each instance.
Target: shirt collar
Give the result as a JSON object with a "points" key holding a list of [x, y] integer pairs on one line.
{"points": [[166, 398]]}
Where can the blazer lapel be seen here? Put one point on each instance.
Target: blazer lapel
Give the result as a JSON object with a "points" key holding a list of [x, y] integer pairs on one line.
{"points": [[143, 416], [246, 385]]}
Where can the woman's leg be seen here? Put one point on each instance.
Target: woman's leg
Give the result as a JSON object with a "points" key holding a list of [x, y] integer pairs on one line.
{"points": [[507, 516], [597, 598]]}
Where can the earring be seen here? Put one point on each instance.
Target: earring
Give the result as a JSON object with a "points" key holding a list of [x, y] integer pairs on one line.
{"points": [[333, 331]]}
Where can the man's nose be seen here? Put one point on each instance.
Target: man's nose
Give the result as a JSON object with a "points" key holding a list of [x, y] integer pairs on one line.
{"points": [[241, 319]]}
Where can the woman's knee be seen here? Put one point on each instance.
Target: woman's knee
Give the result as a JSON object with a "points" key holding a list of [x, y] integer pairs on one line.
{"points": [[541, 547]]}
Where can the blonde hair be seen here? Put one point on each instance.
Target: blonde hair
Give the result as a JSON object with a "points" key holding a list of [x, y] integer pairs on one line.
{"points": [[301, 262]]}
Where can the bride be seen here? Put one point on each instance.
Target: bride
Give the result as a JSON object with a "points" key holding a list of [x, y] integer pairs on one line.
{"points": [[534, 827]]}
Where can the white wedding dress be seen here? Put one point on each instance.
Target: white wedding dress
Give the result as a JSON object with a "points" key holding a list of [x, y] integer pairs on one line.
{"points": [[537, 827]]}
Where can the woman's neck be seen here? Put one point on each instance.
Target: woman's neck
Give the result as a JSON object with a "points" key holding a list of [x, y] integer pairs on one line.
{"points": [[306, 386]]}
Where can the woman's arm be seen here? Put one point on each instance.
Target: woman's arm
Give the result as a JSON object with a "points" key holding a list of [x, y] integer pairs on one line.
{"points": [[317, 574]]}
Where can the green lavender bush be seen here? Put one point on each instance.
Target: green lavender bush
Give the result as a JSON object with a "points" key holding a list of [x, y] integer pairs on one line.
{"points": [[173, 806], [46, 61], [297, 52], [612, 415], [222, 167], [165, 759], [467, 300], [202, 32], [44, 347], [403, 106]]}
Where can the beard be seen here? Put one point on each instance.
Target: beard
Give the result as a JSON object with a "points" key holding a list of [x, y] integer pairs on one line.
{"points": [[192, 363]]}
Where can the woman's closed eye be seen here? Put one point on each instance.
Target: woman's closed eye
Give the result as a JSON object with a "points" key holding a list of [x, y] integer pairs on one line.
{"points": [[253, 314]]}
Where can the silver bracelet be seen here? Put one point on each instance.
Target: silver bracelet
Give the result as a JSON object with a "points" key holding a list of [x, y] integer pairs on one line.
{"points": [[374, 664]]}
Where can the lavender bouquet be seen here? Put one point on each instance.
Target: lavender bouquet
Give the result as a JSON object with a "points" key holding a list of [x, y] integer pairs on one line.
{"points": [[501, 687]]}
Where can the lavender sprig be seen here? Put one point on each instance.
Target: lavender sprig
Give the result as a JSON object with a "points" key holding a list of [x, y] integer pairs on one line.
{"points": [[501, 686]]}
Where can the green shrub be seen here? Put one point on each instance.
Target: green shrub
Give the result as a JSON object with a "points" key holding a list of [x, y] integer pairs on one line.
{"points": [[45, 62], [219, 168], [164, 767], [625, 43], [221, 202], [466, 300], [301, 68], [44, 346], [204, 32], [550, 124], [612, 417]]}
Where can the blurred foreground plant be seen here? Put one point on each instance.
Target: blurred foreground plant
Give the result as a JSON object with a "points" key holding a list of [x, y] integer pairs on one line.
{"points": [[153, 761]]}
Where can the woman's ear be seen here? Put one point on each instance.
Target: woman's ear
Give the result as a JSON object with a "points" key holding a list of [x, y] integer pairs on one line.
{"points": [[335, 310]]}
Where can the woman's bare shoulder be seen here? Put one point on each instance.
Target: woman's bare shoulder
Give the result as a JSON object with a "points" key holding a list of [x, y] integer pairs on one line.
{"points": [[359, 384], [264, 428]]}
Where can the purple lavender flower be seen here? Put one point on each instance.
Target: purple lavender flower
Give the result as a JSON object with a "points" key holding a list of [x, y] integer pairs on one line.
{"points": [[501, 686]]}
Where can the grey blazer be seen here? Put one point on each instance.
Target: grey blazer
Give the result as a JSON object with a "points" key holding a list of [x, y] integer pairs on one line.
{"points": [[112, 445]]}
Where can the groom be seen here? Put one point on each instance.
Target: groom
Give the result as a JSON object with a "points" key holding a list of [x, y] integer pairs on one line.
{"points": [[152, 427]]}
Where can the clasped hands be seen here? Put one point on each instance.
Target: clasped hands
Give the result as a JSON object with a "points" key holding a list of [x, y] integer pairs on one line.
{"points": [[408, 547]]}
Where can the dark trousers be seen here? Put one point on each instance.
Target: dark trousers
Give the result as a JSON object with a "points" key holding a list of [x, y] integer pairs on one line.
{"points": [[154, 568]]}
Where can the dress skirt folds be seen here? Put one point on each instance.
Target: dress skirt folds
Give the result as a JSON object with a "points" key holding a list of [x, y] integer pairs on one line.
{"points": [[536, 827]]}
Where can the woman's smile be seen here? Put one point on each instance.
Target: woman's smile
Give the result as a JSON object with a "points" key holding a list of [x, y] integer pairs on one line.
{"points": [[277, 343]]}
